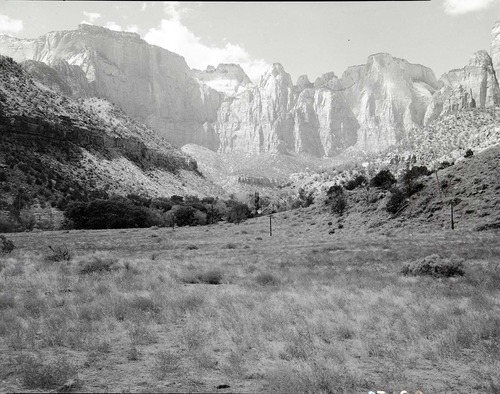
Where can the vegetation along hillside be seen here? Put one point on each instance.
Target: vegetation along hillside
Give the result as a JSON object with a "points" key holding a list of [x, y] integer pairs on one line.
{"points": [[55, 149]]}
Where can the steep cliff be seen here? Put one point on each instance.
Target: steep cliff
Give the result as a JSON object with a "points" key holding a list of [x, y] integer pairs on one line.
{"points": [[495, 48], [226, 78], [277, 116], [388, 96], [473, 86], [149, 83], [86, 142]]}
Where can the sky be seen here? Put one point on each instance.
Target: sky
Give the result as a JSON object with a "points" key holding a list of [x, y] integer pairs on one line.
{"points": [[310, 38]]}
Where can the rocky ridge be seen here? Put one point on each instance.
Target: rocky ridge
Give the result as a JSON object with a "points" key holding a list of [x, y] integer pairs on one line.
{"points": [[106, 148]]}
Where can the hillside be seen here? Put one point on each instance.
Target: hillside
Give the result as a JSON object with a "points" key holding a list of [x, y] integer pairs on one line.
{"points": [[471, 184], [55, 148]]}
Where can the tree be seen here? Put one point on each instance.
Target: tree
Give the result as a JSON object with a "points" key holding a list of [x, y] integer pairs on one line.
{"points": [[396, 201], [337, 199], [383, 179], [238, 212], [410, 177]]}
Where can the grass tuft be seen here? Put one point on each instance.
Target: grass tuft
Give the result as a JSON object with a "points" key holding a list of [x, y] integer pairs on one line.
{"points": [[435, 266], [98, 263]]}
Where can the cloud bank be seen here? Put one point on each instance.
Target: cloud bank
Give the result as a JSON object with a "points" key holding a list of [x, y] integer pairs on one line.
{"points": [[171, 34], [9, 25], [460, 7]]}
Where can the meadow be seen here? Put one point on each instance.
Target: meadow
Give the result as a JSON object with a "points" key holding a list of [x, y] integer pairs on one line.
{"points": [[229, 308]]}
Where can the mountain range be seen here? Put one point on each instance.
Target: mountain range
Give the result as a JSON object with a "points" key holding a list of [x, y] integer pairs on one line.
{"points": [[371, 106], [116, 94]]}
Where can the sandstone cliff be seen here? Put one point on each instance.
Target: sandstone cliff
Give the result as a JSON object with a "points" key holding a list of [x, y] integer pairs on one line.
{"points": [[371, 107], [473, 86], [388, 96], [149, 83], [495, 48], [226, 78]]}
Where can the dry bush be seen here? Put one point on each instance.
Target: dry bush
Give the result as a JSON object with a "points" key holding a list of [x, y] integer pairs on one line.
{"points": [[6, 245], [98, 263], [267, 279], [435, 266], [7, 301], [211, 277], [36, 373], [59, 253]]}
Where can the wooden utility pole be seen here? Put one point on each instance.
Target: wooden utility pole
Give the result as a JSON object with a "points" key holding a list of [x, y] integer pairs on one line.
{"points": [[270, 225], [451, 211]]}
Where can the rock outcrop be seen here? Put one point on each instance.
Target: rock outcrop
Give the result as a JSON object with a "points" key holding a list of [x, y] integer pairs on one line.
{"points": [[495, 48], [277, 116], [473, 86], [226, 78], [388, 96]]}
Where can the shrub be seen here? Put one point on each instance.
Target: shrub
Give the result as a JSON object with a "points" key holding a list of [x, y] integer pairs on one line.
{"points": [[59, 253], [396, 201], [267, 279], [6, 245], [435, 266], [212, 277], [98, 263], [337, 199], [444, 164], [230, 245], [238, 212], [410, 176], [469, 153], [7, 225], [383, 179], [7, 301], [358, 181], [37, 374]]}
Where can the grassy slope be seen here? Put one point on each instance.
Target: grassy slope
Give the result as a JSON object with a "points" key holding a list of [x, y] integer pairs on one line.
{"points": [[301, 311]]}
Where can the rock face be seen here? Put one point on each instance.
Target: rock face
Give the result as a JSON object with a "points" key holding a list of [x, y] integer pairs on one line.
{"points": [[277, 116], [473, 86], [226, 78], [149, 83], [371, 107], [495, 48], [388, 96]]}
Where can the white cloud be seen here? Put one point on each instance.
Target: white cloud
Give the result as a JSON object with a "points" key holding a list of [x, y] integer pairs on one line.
{"points": [[132, 28], [174, 36], [174, 9], [459, 7], [92, 16], [113, 26], [8, 25]]}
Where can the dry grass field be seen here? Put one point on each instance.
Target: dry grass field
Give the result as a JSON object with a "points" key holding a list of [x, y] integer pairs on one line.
{"points": [[227, 308]]}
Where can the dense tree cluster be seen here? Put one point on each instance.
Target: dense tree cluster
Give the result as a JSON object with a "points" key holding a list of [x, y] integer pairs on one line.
{"points": [[140, 211]]}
